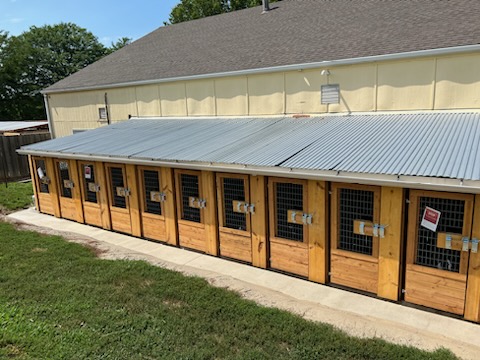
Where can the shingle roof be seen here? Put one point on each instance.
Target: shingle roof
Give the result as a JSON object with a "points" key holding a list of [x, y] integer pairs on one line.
{"points": [[293, 32], [433, 145]]}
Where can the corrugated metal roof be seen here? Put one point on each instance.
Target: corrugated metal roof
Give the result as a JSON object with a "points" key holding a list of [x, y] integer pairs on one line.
{"points": [[440, 145], [20, 125]]}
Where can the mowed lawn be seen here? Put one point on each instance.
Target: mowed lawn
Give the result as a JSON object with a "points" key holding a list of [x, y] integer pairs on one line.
{"points": [[15, 195], [59, 301]]}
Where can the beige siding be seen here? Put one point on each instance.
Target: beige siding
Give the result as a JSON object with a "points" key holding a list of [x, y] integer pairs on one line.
{"points": [[440, 83], [231, 96], [266, 94], [458, 82], [303, 92], [173, 99], [406, 85], [200, 97], [148, 100]]}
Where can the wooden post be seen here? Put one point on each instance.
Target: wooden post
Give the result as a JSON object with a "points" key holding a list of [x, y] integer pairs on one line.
{"points": [[472, 301], [76, 191], [55, 196], [258, 196], [170, 214], [317, 231], [134, 200], [389, 256], [210, 212], [103, 196], [33, 175]]}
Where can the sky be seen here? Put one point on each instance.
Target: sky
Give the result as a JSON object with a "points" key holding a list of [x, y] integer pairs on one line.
{"points": [[109, 20]]}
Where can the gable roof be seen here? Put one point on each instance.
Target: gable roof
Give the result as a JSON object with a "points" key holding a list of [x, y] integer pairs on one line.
{"points": [[422, 150], [293, 32]]}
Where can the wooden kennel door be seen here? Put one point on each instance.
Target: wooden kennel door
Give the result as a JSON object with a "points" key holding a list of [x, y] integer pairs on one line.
{"points": [[119, 198], [354, 248], [46, 193], [94, 194], [288, 199], [68, 190], [436, 272], [234, 216]]}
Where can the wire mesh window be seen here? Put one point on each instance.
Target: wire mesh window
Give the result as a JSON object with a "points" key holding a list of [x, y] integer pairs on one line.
{"points": [[89, 178], [42, 171], [451, 221], [233, 189], [64, 173], [288, 197], [116, 175], [355, 205], [151, 183], [189, 187]]}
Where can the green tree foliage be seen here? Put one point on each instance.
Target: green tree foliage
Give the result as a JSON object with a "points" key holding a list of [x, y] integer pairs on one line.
{"points": [[124, 41], [195, 9], [38, 58]]}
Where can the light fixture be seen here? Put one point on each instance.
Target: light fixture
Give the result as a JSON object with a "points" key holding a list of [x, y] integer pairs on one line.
{"points": [[325, 72]]}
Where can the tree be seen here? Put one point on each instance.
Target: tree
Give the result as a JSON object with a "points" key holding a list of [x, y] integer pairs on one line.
{"points": [[120, 43], [38, 58], [195, 9]]}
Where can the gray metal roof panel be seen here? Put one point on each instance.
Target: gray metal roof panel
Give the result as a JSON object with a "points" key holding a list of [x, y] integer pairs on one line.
{"points": [[20, 125], [443, 145]]}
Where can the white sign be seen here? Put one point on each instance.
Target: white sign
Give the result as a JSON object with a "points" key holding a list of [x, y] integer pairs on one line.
{"points": [[40, 173], [430, 218], [88, 172]]}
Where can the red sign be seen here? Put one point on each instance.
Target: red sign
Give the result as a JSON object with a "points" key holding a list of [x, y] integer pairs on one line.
{"points": [[430, 218]]}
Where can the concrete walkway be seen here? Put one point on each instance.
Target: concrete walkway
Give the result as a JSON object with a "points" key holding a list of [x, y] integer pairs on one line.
{"points": [[356, 314]]}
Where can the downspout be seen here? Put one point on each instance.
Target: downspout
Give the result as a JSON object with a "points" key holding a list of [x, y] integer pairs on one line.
{"points": [[106, 109], [265, 6], [49, 118]]}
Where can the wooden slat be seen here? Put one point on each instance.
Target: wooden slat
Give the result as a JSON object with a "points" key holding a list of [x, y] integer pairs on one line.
{"points": [[53, 187], [192, 237], [76, 191], [210, 212], [92, 214], [46, 204], [133, 200], [68, 209], [121, 220], [456, 243], [103, 195], [259, 221], [235, 246], [33, 176], [354, 273], [289, 256], [318, 230], [367, 227], [435, 291], [389, 257], [169, 211], [154, 228], [472, 301]]}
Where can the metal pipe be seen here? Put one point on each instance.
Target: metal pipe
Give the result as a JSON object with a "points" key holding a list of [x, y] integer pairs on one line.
{"points": [[410, 182], [266, 6], [293, 67]]}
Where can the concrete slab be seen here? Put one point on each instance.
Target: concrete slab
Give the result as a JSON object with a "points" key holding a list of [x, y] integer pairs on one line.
{"points": [[356, 314]]}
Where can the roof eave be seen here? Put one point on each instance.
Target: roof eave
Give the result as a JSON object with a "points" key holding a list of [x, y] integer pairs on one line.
{"points": [[293, 67]]}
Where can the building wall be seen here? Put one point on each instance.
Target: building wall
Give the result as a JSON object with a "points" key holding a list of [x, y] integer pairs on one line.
{"points": [[434, 83]]}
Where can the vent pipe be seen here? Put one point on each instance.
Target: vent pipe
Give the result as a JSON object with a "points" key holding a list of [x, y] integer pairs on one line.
{"points": [[266, 6]]}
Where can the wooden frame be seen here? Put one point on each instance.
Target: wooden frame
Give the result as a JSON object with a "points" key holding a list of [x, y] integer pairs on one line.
{"points": [[178, 182], [70, 208], [234, 243], [440, 289], [47, 203], [287, 255], [348, 268]]}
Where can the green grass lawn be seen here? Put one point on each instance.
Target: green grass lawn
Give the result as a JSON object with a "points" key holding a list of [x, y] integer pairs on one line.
{"points": [[58, 301], [16, 195]]}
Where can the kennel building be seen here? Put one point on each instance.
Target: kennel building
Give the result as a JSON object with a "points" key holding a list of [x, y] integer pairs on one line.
{"points": [[380, 204]]}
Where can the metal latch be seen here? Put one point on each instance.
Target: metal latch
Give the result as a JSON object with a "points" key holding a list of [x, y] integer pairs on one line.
{"points": [[123, 192], [474, 245], [68, 184], [448, 242], [92, 187], [361, 228], [375, 230], [156, 196], [465, 243], [307, 219]]}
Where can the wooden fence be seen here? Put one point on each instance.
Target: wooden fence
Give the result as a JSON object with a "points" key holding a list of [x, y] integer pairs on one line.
{"points": [[12, 165]]}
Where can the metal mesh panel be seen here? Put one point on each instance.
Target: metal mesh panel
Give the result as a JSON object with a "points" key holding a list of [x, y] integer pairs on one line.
{"points": [[288, 197], [64, 175], [189, 188], [90, 196], [116, 175], [152, 183], [41, 164], [233, 189], [451, 221], [355, 205]]}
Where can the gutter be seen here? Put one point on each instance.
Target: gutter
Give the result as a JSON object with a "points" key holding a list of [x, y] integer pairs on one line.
{"points": [[294, 67], [403, 181], [49, 119]]}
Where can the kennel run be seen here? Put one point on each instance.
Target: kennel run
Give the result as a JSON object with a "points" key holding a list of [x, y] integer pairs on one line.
{"points": [[382, 204]]}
